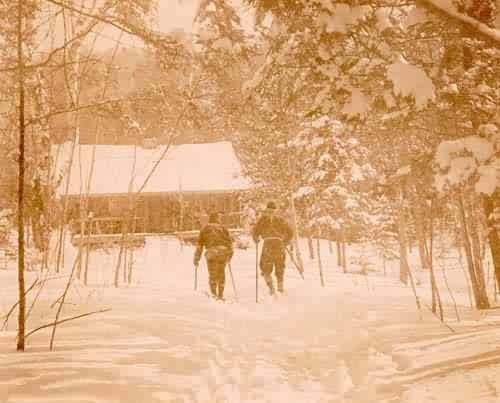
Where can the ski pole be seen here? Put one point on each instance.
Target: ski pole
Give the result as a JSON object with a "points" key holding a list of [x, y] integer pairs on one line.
{"points": [[301, 272], [195, 277], [232, 281], [257, 272]]}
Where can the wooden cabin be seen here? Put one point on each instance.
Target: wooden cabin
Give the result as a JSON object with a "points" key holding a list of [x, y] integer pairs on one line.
{"points": [[176, 190]]}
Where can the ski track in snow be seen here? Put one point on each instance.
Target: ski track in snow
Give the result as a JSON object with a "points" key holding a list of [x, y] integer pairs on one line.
{"points": [[163, 342]]}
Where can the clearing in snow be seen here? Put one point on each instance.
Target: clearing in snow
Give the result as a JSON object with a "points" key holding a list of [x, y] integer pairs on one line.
{"points": [[358, 339]]}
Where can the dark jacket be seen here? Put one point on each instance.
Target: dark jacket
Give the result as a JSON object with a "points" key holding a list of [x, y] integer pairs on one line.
{"points": [[270, 227], [217, 242]]}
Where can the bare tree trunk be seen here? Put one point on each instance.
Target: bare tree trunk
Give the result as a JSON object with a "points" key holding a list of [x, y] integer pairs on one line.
{"points": [[344, 259], [403, 242], [27, 234], [130, 266], [420, 231], [495, 290], [414, 289], [131, 257], [76, 140], [320, 264], [436, 297], [60, 241], [20, 190], [343, 245], [87, 250], [434, 293], [480, 299], [125, 224], [467, 280], [80, 246], [384, 263], [296, 233], [493, 238], [446, 282], [339, 253], [120, 254], [62, 300], [125, 265], [310, 246], [473, 224]]}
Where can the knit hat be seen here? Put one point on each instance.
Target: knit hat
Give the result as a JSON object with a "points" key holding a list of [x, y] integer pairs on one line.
{"points": [[213, 218], [271, 205]]}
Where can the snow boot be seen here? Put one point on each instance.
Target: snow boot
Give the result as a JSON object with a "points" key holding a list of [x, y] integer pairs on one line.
{"points": [[280, 286], [220, 294], [213, 289], [269, 282]]}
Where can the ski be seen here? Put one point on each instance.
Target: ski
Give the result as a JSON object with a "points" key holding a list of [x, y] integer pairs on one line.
{"points": [[277, 296], [224, 300]]}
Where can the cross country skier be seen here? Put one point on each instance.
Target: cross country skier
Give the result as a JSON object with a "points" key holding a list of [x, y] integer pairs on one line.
{"points": [[219, 251], [276, 234]]}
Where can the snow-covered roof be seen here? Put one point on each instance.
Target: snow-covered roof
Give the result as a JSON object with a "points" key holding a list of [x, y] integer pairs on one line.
{"points": [[210, 167]]}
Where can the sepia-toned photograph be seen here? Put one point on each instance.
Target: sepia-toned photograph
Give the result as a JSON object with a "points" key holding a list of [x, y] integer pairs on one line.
{"points": [[249, 201]]}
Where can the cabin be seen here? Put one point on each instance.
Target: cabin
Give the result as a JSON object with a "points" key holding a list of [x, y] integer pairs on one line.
{"points": [[171, 192]]}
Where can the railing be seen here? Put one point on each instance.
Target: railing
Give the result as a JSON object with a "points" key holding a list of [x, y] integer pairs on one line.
{"points": [[114, 225], [190, 223], [106, 225]]}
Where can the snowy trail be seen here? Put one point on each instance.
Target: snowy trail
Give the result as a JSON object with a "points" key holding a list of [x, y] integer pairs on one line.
{"points": [[164, 343], [356, 340]]}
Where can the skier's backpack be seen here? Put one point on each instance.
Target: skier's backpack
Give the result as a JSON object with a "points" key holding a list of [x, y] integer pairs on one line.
{"points": [[216, 244], [220, 252]]}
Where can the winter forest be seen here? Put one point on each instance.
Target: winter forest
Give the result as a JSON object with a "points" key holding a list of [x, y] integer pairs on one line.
{"points": [[249, 201]]}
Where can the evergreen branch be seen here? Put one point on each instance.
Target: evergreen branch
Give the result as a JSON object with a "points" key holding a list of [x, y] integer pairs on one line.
{"points": [[480, 28]]}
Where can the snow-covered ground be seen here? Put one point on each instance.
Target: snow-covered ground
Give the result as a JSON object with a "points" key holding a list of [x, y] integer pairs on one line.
{"points": [[358, 339]]}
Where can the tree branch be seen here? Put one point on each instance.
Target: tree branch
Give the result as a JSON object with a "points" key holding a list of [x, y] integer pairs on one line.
{"points": [[66, 320], [482, 29], [75, 109], [16, 304], [121, 25], [82, 34]]}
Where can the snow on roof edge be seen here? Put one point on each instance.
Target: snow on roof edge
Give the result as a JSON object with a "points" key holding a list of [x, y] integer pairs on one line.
{"points": [[194, 167]]}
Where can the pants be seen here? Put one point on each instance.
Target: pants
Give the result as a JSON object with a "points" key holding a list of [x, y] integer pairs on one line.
{"points": [[217, 276], [273, 258]]}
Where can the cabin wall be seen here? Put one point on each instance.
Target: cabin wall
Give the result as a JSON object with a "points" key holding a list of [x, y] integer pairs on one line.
{"points": [[156, 213]]}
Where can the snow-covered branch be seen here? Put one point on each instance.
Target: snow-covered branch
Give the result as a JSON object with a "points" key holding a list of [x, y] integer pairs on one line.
{"points": [[448, 8]]}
